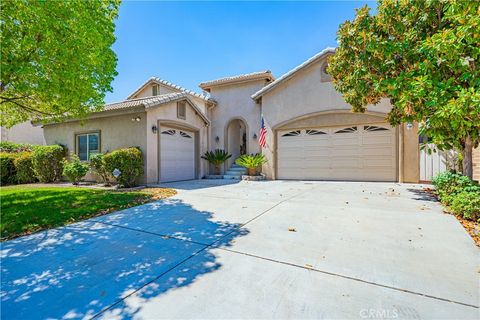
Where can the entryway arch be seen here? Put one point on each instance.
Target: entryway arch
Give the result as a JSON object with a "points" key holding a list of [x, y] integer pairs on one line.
{"points": [[236, 142]]}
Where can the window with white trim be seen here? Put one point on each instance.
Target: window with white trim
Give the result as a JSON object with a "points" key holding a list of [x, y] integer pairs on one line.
{"points": [[181, 110], [87, 144]]}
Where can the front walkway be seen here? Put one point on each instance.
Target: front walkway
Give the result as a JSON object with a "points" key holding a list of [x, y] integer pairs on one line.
{"points": [[272, 249]]}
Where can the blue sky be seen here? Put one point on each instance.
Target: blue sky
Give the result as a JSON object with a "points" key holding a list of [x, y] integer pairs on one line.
{"points": [[190, 42]]}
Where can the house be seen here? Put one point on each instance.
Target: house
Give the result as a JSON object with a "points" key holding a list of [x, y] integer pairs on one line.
{"points": [[312, 134], [23, 132]]}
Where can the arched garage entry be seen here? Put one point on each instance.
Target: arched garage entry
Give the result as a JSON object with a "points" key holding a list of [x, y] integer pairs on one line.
{"points": [[337, 145]]}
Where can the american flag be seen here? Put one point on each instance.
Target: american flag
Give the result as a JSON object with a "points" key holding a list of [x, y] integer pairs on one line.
{"points": [[262, 140]]}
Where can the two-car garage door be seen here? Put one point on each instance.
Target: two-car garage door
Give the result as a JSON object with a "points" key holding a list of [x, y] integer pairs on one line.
{"points": [[361, 152]]}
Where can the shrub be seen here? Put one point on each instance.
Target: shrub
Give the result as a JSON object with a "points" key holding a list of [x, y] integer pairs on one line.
{"points": [[216, 158], [130, 163], [48, 162], [99, 167], [7, 146], [75, 169], [7, 168], [24, 167], [251, 162], [448, 184], [459, 193], [467, 204]]}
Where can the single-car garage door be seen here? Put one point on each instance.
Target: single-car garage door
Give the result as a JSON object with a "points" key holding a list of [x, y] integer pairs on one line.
{"points": [[177, 154], [363, 152]]}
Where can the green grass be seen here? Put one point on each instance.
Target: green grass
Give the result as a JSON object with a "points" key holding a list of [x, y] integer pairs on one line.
{"points": [[26, 209]]}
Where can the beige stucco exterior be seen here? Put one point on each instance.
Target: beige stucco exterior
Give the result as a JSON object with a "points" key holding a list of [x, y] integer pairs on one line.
{"points": [[23, 132], [234, 103], [301, 99], [307, 100]]}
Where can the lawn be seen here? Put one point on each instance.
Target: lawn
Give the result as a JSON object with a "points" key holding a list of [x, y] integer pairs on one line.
{"points": [[27, 209]]}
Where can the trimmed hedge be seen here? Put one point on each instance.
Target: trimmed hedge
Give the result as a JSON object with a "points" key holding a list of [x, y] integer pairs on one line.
{"points": [[48, 162], [7, 146], [459, 193], [7, 168], [130, 163], [24, 167]]}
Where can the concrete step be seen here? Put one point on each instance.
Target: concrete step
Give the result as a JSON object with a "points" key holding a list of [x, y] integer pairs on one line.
{"points": [[231, 177], [240, 169], [234, 173], [234, 165]]}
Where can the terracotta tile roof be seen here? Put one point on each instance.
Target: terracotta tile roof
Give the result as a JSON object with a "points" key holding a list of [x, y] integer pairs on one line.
{"points": [[290, 73], [154, 101], [173, 86], [267, 74]]}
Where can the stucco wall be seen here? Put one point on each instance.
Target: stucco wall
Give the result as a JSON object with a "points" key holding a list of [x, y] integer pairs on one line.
{"points": [[23, 132], [234, 102], [304, 95], [166, 115], [115, 132]]}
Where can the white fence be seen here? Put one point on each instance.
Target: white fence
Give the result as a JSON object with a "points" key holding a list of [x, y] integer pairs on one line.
{"points": [[436, 162]]}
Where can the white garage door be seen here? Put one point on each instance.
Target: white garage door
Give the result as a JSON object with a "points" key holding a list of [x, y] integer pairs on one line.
{"points": [[363, 153], [177, 154]]}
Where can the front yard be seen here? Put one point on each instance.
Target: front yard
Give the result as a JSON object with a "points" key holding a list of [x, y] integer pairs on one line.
{"points": [[30, 208]]}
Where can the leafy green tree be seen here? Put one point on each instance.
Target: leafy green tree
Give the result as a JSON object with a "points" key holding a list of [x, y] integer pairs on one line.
{"points": [[56, 58], [424, 56]]}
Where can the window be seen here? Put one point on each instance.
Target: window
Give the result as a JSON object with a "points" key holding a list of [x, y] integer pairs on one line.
{"points": [[374, 128], [313, 132], [347, 130], [181, 110], [291, 133], [169, 132], [88, 144], [185, 135], [155, 90]]}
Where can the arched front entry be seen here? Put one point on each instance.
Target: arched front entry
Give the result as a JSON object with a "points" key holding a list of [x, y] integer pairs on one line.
{"points": [[236, 133]]}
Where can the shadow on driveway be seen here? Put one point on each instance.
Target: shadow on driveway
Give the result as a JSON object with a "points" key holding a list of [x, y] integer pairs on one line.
{"points": [[81, 269]]}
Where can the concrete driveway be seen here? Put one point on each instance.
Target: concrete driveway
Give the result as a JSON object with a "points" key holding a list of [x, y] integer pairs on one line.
{"points": [[277, 249]]}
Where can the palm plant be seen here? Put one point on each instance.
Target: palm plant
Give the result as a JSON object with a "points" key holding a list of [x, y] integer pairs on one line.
{"points": [[216, 158], [251, 162]]}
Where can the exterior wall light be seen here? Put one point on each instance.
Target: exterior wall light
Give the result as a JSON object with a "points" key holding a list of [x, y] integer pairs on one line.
{"points": [[137, 119], [254, 136], [409, 126], [217, 139], [154, 129]]}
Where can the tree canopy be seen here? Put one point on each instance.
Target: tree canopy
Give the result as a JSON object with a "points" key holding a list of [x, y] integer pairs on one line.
{"points": [[56, 58], [422, 55]]}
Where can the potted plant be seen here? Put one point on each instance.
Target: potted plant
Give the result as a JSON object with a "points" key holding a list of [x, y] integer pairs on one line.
{"points": [[251, 162], [216, 158]]}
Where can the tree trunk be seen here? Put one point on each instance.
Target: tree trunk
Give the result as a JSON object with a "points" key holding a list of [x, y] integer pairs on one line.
{"points": [[467, 158]]}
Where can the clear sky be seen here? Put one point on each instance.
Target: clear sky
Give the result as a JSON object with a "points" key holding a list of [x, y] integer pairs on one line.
{"points": [[191, 42]]}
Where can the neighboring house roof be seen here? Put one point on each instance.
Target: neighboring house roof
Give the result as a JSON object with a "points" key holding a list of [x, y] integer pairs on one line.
{"points": [[267, 75], [155, 101], [292, 72], [170, 85]]}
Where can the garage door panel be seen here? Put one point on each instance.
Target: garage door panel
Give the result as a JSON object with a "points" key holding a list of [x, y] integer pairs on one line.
{"points": [[348, 153], [177, 155]]}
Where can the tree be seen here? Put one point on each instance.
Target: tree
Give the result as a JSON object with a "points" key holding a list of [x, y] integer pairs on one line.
{"points": [[56, 58], [424, 57]]}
